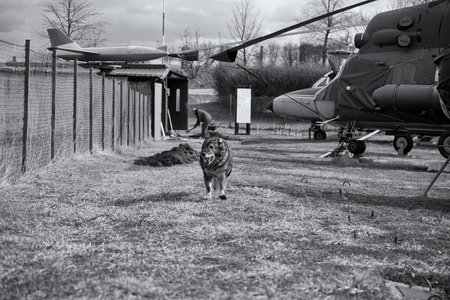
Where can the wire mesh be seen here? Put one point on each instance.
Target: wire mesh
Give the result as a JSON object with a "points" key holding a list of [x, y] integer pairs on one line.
{"points": [[76, 128]]}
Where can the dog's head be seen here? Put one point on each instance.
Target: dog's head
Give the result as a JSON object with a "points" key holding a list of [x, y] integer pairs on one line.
{"points": [[213, 149]]}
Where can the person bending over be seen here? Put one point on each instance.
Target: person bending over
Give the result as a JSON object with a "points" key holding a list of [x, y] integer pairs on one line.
{"points": [[203, 118]]}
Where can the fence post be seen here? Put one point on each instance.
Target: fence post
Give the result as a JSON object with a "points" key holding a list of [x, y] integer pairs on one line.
{"points": [[103, 110], [134, 117], [75, 100], [113, 114], [91, 108], [53, 117], [140, 120], [25, 106], [128, 115], [121, 114], [144, 105], [147, 113]]}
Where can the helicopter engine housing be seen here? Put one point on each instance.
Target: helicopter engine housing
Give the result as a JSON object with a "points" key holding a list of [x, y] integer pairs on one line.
{"points": [[409, 97]]}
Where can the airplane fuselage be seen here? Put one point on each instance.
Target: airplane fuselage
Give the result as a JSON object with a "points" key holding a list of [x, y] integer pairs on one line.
{"points": [[120, 53]]}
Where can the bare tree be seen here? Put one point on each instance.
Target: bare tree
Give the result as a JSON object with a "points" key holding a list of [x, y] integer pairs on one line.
{"points": [[325, 26], [194, 42], [273, 53], [310, 53], [77, 19], [245, 25], [289, 54], [404, 3]]}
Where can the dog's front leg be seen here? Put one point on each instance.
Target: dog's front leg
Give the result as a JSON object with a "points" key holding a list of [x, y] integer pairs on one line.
{"points": [[208, 185], [222, 187]]}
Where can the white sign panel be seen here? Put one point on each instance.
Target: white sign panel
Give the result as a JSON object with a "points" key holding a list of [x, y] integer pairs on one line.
{"points": [[243, 105]]}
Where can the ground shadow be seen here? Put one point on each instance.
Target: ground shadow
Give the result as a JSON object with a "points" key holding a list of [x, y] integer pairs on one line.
{"points": [[161, 197]]}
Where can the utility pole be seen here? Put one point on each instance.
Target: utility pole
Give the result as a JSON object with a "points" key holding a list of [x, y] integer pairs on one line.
{"points": [[163, 34]]}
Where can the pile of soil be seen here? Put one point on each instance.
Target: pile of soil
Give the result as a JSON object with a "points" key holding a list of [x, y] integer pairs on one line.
{"points": [[183, 154]]}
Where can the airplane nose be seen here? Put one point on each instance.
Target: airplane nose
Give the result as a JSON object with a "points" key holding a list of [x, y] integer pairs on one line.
{"points": [[269, 106]]}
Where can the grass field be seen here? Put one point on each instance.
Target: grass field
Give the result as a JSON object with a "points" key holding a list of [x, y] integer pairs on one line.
{"points": [[295, 226]]}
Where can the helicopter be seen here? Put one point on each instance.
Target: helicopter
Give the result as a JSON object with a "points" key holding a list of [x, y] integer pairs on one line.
{"points": [[398, 81]]}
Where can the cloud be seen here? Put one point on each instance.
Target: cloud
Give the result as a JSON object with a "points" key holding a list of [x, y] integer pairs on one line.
{"points": [[191, 11]]}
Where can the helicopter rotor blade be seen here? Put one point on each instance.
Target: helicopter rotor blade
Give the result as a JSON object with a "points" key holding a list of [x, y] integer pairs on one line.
{"points": [[230, 54]]}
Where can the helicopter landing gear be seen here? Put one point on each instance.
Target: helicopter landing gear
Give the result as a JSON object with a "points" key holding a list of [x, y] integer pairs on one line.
{"points": [[444, 144], [346, 142], [319, 134], [403, 143], [356, 147]]}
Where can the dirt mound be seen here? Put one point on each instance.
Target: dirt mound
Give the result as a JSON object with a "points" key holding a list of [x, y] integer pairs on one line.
{"points": [[183, 154]]}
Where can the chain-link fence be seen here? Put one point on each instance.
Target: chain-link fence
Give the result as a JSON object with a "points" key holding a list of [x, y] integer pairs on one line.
{"points": [[46, 115]]}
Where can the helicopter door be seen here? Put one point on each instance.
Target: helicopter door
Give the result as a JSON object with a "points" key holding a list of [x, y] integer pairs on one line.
{"points": [[404, 74]]}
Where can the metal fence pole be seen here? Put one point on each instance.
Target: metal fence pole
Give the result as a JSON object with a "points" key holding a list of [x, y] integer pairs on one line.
{"points": [[91, 108], [103, 110], [75, 100], [53, 117], [140, 119], [113, 117], [144, 117], [25, 105], [121, 114], [128, 116], [134, 118]]}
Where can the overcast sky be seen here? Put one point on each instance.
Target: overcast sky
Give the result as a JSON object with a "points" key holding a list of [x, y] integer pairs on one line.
{"points": [[139, 22]]}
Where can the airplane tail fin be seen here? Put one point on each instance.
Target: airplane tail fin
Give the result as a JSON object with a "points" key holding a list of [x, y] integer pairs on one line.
{"points": [[59, 38]]}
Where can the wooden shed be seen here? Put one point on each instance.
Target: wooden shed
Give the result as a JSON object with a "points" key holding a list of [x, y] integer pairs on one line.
{"points": [[167, 90]]}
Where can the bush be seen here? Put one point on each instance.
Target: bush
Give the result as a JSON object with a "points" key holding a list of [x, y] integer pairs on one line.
{"points": [[268, 81]]}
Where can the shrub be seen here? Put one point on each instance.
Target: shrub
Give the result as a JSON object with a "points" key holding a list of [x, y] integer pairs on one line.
{"points": [[267, 81]]}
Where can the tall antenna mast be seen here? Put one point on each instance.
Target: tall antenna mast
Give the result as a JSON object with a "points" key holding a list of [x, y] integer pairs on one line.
{"points": [[163, 20]]}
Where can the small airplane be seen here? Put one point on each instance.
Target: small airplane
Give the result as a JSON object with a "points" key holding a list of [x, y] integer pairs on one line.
{"points": [[397, 82], [69, 50], [299, 105]]}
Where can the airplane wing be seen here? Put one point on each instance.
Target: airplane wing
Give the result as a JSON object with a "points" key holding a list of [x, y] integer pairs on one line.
{"points": [[229, 55]]}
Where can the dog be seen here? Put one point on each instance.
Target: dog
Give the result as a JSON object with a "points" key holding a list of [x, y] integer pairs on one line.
{"points": [[216, 161]]}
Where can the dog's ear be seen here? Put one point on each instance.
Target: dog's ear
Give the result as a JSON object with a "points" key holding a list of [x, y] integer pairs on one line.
{"points": [[220, 146]]}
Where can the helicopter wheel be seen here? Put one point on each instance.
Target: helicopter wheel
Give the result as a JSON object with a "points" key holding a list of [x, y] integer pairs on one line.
{"points": [[404, 141], [320, 134], [444, 144], [363, 146], [356, 147]]}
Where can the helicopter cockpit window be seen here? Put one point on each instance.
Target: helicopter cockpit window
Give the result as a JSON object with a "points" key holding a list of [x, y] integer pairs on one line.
{"points": [[323, 81]]}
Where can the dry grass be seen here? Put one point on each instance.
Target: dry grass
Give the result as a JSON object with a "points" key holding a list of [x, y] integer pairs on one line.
{"points": [[294, 227]]}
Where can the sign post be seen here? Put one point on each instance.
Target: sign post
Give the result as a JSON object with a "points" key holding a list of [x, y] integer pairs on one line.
{"points": [[243, 109]]}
